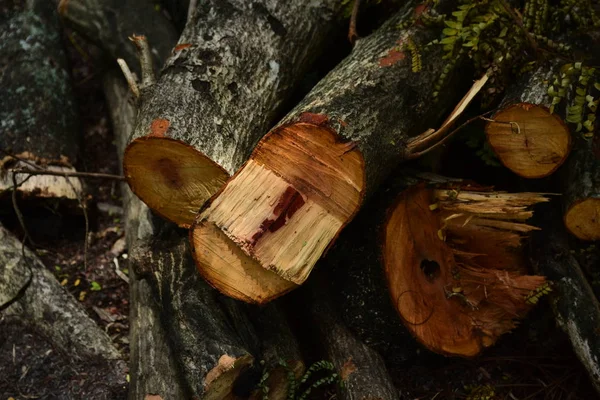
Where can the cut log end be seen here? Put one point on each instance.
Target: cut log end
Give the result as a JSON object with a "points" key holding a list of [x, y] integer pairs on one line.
{"points": [[220, 380], [228, 269], [451, 295], [582, 219], [529, 140], [287, 203], [171, 177]]}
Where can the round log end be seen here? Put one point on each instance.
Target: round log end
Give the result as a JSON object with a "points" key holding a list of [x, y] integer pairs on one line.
{"points": [[529, 140], [228, 269], [444, 292], [171, 177], [582, 219]]}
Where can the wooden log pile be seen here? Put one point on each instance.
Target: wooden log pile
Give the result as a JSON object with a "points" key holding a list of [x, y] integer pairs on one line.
{"points": [[268, 226]]}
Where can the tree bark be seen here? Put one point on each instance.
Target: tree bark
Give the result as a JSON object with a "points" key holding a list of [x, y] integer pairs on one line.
{"points": [[573, 301], [33, 298], [153, 369], [109, 24], [581, 186], [329, 154], [527, 138], [219, 93], [362, 371], [38, 113]]}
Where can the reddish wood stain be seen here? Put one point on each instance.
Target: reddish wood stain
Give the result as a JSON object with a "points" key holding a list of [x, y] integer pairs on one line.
{"points": [[526, 106], [317, 119], [182, 46], [159, 127], [394, 55], [420, 9], [167, 168], [289, 202]]}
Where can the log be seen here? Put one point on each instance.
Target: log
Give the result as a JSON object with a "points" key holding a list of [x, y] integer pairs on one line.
{"points": [[109, 24], [362, 371], [220, 91], [575, 306], [35, 79], [34, 303], [451, 269], [526, 136], [308, 177], [153, 368], [581, 184]]}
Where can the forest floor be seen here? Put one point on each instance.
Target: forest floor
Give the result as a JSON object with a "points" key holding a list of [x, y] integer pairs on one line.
{"points": [[534, 362]]}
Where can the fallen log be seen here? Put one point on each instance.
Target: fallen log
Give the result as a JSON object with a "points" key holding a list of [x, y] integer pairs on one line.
{"points": [[109, 24], [35, 79], [308, 177], [33, 300], [220, 91], [581, 201], [526, 136], [362, 372], [575, 306], [153, 369], [452, 269], [180, 332]]}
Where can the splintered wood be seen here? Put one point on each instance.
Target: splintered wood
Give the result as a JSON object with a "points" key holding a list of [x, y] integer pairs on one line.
{"points": [[281, 211], [454, 266], [529, 140]]}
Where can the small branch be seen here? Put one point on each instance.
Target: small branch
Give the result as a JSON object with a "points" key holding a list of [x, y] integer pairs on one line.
{"points": [[519, 21], [67, 174], [145, 55], [129, 77], [352, 34], [192, 9]]}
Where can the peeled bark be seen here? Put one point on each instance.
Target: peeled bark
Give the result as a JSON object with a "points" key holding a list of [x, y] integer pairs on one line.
{"points": [[581, 184], [361, 370], [33, 298], [109, 24], [38, 113], [573, 301], [309, 176], [220, 91], [527, 138]]}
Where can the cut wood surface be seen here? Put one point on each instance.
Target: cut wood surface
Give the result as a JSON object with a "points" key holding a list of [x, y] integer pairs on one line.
{"points": [[582, 189], [573, 301], [220, 91], [38, 113], [361, 370], [527, 138], [32, 296], [109, 24], [308, 177]]}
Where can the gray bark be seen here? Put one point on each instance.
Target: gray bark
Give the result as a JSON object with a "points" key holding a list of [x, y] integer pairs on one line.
{"points": [[153, 368], [37, 301], [380, 107], [361, 369], [222, 93], [575, 306], [109, 24], [37, 113]]}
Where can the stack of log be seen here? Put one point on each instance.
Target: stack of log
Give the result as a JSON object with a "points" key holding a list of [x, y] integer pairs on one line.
{"points": [[231, 204]]}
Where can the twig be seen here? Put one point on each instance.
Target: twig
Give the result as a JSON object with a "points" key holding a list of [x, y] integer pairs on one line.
{"points": [[145, 56], [519, 21], [192, 9], [74, 174], [352, 34], [129, 77], [18, 211]]}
